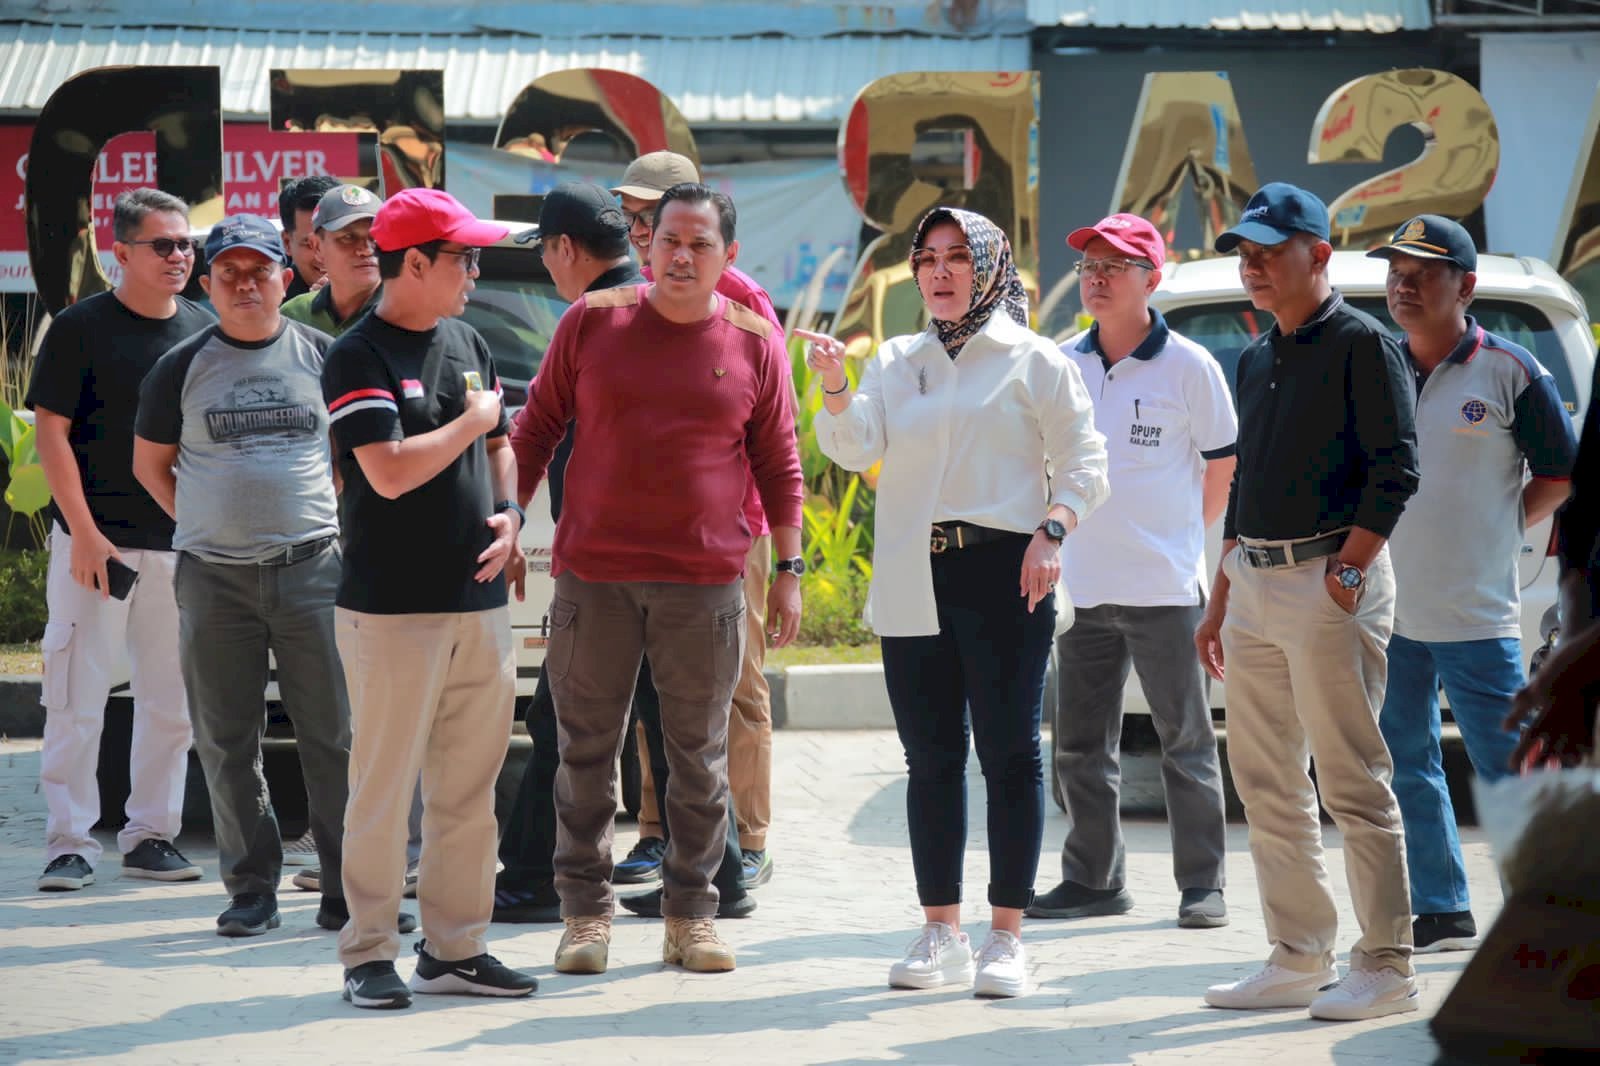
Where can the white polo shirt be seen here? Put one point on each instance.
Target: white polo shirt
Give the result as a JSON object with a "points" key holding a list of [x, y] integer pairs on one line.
{"points": [[1165, 410], [1487, 417]]}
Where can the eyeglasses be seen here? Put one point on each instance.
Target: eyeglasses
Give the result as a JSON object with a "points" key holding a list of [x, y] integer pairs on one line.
{"points": [[956, 259], [1111, 268], [634, 218], [469, 258], [164, 246]]}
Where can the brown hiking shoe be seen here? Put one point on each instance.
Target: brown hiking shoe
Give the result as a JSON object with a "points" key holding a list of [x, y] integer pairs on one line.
{"points": [[693, 943], [585, 946]]}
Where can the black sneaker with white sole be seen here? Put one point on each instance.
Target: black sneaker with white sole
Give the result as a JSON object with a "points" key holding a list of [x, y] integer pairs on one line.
{"points": [[252, 914], [1453, 931], [66, 873], [376, 986], [481, 975], [155, 859]]}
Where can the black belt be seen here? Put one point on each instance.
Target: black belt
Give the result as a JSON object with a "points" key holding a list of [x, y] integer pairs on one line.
{"points": [[296, 553], [1264, 557], [949, 535]]}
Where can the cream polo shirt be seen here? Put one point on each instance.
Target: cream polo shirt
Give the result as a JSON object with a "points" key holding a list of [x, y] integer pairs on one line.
{"points": [[993, 437]]}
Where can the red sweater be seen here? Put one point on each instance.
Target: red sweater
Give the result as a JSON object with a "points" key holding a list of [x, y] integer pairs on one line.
{"points": [[672, 419]]}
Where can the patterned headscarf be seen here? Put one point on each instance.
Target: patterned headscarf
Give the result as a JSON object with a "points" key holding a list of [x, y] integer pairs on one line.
{"points": [[994, 275]]}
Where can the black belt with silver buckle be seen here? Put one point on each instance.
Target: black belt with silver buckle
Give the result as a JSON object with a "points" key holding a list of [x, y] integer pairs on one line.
{"points": [[950, 535], [1264, 557], [298, 553]]}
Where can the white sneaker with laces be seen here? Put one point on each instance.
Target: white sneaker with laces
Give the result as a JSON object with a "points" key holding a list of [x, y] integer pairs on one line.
{"points": [[1273, 986], [940, 956], [1367, 994], [1002, 966]]}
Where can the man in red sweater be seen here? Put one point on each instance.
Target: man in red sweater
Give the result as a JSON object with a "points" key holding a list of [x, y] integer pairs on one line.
{"points": [[682, 394]]}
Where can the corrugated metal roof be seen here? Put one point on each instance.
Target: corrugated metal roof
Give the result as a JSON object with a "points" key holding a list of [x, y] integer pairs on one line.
{"points": [[1350, 16], [754, 79], [549, 18]]}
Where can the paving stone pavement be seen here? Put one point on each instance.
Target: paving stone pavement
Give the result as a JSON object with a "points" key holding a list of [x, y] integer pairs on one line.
{"points": [[131, 971]]}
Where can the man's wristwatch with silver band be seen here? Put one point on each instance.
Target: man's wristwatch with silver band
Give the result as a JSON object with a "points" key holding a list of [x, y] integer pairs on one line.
{"points": [[795, 566]]}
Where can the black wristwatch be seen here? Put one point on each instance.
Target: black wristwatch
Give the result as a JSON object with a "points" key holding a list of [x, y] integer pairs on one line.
{"points": [[795, 566], [512, 505], [1053, 529]]}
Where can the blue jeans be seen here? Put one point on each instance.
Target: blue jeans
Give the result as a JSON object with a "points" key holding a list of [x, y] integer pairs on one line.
{"points": [[1480, 677], [988, 659]]}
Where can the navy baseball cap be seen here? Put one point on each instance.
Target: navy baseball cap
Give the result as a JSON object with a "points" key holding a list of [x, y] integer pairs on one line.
{"points": [[1274, 214], [1432, 237], [246, 231]]}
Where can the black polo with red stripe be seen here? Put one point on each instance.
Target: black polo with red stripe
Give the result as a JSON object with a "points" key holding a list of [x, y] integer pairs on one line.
{"points": [[417, 553]]}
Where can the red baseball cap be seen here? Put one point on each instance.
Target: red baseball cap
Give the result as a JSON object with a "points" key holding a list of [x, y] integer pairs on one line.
{"points": [[417, 216], [1132, 234]]}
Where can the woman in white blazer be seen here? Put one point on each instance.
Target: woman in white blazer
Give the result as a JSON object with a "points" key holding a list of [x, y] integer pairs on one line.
{"points": [[990, 458]]}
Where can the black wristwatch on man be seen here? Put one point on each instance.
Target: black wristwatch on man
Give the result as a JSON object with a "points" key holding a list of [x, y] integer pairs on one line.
{"points": [[795, 566], [512, 505], [1056, 531]]}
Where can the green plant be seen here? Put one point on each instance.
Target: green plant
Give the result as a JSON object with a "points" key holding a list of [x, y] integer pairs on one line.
{"points": [[833, 536], [27, 491], [22, 595], [833, 606]]}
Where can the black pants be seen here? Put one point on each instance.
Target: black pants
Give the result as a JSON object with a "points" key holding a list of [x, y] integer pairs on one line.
{"points": [[528, 845]]}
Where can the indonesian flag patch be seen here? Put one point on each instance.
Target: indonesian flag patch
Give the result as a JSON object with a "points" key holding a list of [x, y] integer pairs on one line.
{"points": [[411, 388]]}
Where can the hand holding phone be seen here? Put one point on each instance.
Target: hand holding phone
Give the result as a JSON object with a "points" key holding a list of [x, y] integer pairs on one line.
{"points": [[121, 577]]}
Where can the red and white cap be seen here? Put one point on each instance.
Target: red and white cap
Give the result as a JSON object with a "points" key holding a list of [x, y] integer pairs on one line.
{"points": [[1133, 234], [417, 216]]}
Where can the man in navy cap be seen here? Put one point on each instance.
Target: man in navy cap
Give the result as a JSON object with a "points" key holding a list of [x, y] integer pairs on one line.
{"points": [[232, 441], [1302, 609], [1488, 415]]}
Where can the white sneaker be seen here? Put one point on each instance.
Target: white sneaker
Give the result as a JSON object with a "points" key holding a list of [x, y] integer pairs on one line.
{"points": [[1367, 994], [1002, 966], [940, 956], [302, 851], [1273, 986]]}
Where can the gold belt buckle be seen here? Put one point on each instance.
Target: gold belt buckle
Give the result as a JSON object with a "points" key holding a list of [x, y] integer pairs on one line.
{"points": [[939, 542]]}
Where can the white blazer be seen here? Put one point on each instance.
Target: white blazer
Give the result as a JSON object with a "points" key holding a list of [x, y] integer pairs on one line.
{"points": [[993, 437]]}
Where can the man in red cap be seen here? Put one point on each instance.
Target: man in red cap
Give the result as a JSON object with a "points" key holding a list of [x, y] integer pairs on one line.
{"points": [[1135, 572], [430, 518]]}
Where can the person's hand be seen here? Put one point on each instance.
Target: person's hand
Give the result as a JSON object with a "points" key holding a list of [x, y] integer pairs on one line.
{"points": [[1347, 599], [1208, 639], [1041, 569], [507, 527], [825, 356], [483, 409], [1552, 709], [90, 550], [783, 610], [317, 285], [517, 574]]}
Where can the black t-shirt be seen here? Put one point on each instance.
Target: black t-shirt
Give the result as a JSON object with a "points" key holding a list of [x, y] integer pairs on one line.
{"points": [[94, 357], [415, 554]]}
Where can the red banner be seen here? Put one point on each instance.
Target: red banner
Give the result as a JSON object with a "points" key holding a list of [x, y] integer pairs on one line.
{"points": [[255, 159]]}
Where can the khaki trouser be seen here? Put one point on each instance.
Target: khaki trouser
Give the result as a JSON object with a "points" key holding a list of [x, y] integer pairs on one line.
{"points": [[749, 727], [432, 693], [1306, 680]]}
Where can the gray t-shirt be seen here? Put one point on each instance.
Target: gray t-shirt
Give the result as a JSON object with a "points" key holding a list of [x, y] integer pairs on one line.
{"points": [[254, 474], [1487, 418]]}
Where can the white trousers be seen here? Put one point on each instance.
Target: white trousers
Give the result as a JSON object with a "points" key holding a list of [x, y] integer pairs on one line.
{"points": [[88, 643]]}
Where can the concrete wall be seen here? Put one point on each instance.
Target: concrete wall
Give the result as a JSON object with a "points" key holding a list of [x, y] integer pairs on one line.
{"points": [[1087, 101]]}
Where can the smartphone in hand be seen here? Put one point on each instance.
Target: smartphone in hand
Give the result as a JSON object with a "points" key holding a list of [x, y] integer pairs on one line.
{"points": [[121, 576]]}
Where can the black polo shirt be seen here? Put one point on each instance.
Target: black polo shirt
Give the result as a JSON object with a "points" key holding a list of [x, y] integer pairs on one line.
{"points": [[1327, 433]]}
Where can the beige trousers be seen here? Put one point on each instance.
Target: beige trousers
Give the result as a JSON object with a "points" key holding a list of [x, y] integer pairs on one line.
{"points": [[1305, 682], [432, 693], [750, 725]]}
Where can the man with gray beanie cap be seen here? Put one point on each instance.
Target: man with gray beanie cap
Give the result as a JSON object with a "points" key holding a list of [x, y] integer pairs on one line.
{"points": [[1302, 608]]}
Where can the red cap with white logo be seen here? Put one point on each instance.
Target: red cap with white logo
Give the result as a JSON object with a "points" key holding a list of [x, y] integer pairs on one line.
{"points": [[1133, 234]]}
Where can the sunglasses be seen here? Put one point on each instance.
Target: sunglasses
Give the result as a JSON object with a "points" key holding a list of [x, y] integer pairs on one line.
{"points": [[1111, 268], [469, 258], [165, 246], [957, 259]]}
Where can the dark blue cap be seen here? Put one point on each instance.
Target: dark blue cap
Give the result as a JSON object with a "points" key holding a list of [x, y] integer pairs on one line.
{"points": [[1432, 237], [1275, 213], [245, 231]]}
